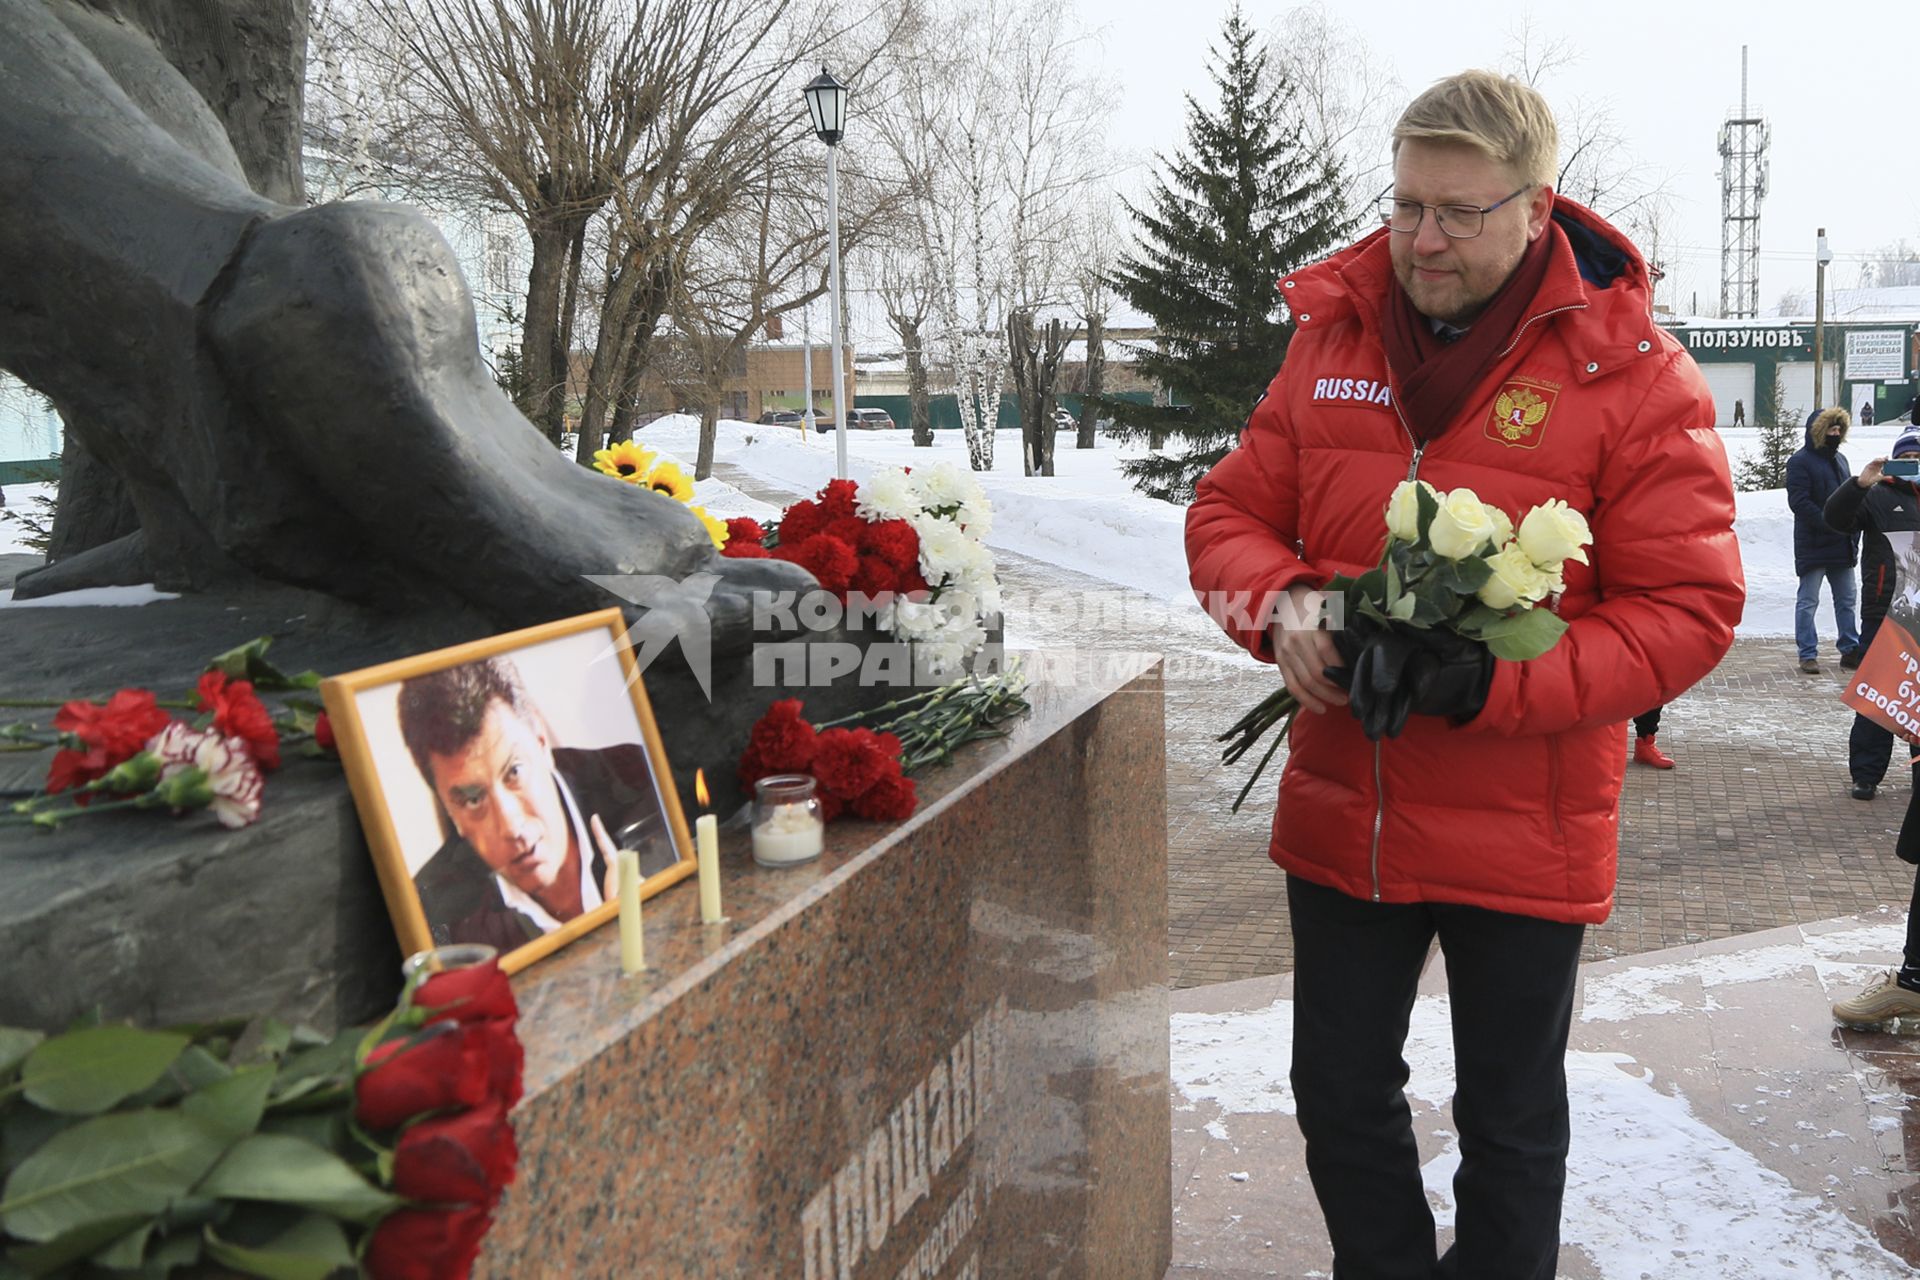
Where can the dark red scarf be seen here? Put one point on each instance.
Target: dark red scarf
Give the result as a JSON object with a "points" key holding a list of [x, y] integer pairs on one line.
{"points": [[1433, 377]]}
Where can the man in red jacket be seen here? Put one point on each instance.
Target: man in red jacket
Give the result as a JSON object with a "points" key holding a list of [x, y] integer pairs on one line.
{"points": [[1465, 799]]}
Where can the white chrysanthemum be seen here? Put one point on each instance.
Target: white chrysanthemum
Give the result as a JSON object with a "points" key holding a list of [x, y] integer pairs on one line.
{"points": [[889, 495], [945, 485], [976, 517], [944, 550]]}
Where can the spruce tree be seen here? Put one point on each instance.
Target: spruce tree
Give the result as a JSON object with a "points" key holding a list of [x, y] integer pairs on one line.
{"points": [[1244, 202]]}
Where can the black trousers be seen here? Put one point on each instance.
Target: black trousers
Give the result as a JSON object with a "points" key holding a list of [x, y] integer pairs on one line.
{"points": [[1510, 982], [1647, 722]]}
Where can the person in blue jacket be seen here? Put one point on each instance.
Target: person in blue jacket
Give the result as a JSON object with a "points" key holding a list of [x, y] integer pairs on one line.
{"points": [[1821, 553]]}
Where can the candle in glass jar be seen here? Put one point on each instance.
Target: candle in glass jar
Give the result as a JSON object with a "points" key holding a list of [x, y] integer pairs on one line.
{"points": [[789, 833]]}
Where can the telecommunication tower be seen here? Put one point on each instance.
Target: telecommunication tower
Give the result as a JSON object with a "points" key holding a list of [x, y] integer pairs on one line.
{"points": [[1743, 182]]}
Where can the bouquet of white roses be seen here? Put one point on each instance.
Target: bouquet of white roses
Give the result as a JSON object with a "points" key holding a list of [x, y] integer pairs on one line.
{"points": [[1451, 562]]}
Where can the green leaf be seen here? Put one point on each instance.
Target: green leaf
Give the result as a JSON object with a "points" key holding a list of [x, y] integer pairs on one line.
{"points": [[23, 1131], [129, 1163], [85, 1072], [126, 1253], [1428, 507], [286, 1170], [232, 1108], [1525, 635], [312, 1249], [15, 1045], [1470, 575], [1402, 609], [71, 1246]]}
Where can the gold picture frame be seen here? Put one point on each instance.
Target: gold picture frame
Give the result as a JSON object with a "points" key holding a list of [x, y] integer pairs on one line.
{"points": [[490, 728]]}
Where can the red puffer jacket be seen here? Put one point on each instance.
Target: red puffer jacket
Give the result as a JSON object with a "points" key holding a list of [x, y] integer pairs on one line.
{"points": [[1517, 810]]}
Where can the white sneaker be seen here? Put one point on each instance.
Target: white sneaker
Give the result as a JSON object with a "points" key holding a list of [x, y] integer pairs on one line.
{"points": [[1881, 1002]]}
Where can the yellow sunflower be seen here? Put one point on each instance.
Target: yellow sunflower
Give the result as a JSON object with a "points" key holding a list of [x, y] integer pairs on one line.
{"points": [[671, 481], [624, 461], [716, 529]]}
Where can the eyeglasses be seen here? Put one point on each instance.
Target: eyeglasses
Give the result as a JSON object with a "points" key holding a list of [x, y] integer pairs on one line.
{"points": [[1459, 221]]}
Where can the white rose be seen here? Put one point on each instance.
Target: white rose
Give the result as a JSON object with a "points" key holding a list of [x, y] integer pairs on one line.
{"points": [[1461, 527], [1502, 526], [1514, 581], [889, 495], [1403, 509], [1553, 532]]}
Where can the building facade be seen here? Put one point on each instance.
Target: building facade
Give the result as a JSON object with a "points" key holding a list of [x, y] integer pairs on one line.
{"points": [[1865, 362]]}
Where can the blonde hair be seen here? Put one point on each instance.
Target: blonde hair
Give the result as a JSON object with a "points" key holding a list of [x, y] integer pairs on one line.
{"points": [[1498, 116]]}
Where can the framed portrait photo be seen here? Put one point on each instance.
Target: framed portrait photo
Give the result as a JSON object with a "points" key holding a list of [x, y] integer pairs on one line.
{"points": [[496, 780]]}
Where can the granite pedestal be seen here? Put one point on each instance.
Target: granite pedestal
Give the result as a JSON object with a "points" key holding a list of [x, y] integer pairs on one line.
{"points": [[938, 1051]]}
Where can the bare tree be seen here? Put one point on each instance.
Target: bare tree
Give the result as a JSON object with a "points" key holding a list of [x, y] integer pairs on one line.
{"points": [[1098, 250], [1891, 265], [1348, 99], [906, 291]]}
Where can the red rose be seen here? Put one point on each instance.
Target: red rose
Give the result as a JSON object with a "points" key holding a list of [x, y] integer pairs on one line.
{"points": [[801, 521], [836, 500], [745, 551], [239, 713], [426, 1244], [741, 529], [895, 541], [781, 742], [847, 762], [445, 1067], [466, 1158], [120, 728], [891, 799], [467, 994], [323, 732]]}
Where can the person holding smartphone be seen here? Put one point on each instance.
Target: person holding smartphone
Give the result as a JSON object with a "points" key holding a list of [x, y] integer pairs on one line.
{"points": [[1882, 499]]}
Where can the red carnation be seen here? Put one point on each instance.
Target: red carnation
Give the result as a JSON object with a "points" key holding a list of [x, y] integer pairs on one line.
{"points": [[874, 578], [895, 541], [781, 742], [851, 530], [70, 768], [836, 500], [831, 561], [427, 1244], [239, 713], [323, 732], [745, 551], [850, 761], [408, 1077], [741, 529], [120, 728], [801, 521], [466, 1158], [891, 799]]}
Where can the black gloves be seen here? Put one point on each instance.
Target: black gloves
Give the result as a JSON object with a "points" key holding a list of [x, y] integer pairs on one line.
{"points": [[1393, 672]]}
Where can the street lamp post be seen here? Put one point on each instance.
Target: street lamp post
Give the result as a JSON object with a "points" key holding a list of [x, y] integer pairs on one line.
{"points": [[827, 103], [1821, 257]]}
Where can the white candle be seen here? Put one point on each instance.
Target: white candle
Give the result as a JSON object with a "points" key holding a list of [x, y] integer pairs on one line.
{"points": [[633, 941], [790, 833], [707, 848]]}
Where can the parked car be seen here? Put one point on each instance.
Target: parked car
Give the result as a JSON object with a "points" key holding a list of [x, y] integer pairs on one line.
{"points": [[1064, 421], [780, 418], [870, 420]]}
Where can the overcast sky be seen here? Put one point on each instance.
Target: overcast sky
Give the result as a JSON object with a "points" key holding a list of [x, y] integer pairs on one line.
{"points": [[1836, 80]]}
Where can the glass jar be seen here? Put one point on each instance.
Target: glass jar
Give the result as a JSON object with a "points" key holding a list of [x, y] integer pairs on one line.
{"points": [[421, 965], [787, 826]]}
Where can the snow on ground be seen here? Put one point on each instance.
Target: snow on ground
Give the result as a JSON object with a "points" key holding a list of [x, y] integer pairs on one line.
{"points": [[1652, 1190], [20, 498], [1088, 517]]}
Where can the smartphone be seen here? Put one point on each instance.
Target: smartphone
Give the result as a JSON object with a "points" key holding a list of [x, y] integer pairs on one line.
{"points": [[1901, 468]]}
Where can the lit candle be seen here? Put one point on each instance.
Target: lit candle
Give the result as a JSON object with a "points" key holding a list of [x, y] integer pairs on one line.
{"points": [[707, 851], [786, 821], [633, 940]]}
